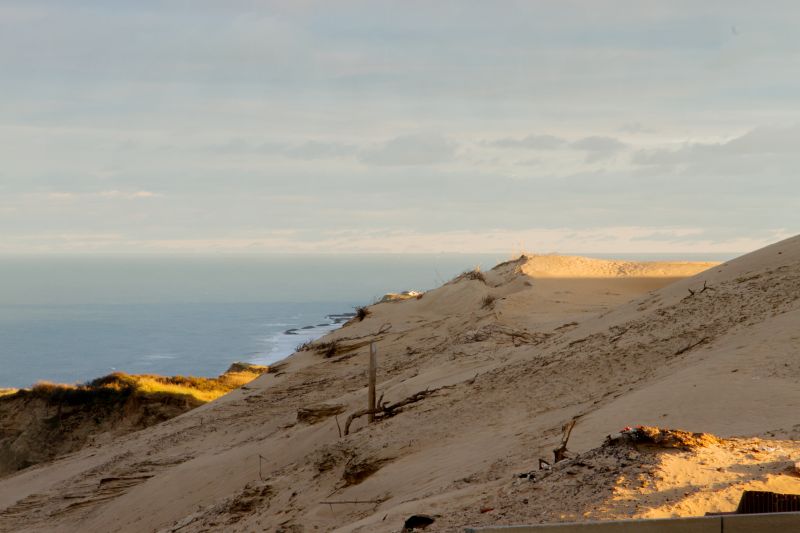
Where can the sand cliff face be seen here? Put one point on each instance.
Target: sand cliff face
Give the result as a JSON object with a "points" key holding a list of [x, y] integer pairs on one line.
{"points": [[493, 363], [50, 420], [38, 429]]}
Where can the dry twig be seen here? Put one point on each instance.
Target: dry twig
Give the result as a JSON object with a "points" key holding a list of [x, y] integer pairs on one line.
{"points": [[693, 345], [560, 453]]}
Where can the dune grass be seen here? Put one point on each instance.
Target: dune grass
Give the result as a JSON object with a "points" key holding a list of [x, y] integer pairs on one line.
{"points": [[471, 275], [362, 312], [119, 385]]}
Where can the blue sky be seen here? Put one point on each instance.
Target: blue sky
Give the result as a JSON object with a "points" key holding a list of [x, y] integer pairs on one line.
{"points": [[595, 126]]}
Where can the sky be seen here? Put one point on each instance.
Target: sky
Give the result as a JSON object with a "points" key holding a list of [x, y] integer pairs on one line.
{"points": [[340, 126]]}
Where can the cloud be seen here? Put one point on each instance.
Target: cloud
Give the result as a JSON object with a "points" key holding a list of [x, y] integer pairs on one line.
{"points": [[766, 140], [533, 142], [768, 143], [598, 147], [410, 150], [315, 92], [114, 194], [635, 128], [620, 239], [311, 150]]}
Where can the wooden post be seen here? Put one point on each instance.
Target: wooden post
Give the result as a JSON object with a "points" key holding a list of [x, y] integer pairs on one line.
{"points": [[373, 367]]}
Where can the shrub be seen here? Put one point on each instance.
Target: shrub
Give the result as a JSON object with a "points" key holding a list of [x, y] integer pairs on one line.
{"points": [[471, 275], [475, 275], [328, 349]]}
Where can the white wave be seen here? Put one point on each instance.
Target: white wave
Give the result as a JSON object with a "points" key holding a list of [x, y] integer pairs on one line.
{"points": [[283, 344]]}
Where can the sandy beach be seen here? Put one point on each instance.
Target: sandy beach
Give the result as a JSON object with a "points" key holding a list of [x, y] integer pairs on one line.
{"points": [[499, 361]]}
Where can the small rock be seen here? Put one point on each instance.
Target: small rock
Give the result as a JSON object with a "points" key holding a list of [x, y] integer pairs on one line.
{"points": [[417, 521]]}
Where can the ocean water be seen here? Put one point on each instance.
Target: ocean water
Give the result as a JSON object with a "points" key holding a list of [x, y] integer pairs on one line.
{"points": [[71, 319], [74, 343]]}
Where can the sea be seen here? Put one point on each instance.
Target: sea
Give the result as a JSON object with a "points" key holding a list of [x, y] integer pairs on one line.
{"points": [[71, 319]]}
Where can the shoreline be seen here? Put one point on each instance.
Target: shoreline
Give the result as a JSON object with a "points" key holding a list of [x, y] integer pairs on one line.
{"points": [[75, 344]]}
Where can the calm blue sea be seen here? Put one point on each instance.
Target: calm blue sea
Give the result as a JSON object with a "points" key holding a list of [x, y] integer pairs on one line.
{"points": [[74, 343], [71, 319]]}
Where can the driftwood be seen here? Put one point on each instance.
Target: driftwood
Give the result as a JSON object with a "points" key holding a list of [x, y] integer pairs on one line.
{"points": [[701, 291], [497, 332], [619, 335], [560, 453], [342, 502], [317, 413], [384, 410], [124, 478], [331, 503], [693, 345]]}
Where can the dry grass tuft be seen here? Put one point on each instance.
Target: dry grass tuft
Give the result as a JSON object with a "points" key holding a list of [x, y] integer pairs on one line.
{"points": [[471, 275], [119, 386], [362, 312], [304, 347], [328, 349], [487, 301], [663, 438], [518, 261]]}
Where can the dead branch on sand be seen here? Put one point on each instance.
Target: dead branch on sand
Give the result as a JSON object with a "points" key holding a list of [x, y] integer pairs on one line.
{"points": [[701, 291], [560, 453], [386, 410], [342, 502], [693, 345]]}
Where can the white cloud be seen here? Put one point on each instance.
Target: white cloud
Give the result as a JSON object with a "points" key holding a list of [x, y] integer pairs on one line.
{"points": [[598, 147], [770, 144], [617, 239], [532, 141], [228, 110], [410, 150], [113, 194]]}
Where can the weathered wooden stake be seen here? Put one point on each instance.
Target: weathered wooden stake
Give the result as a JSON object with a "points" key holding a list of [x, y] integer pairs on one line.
{"points": [[373, 367]]}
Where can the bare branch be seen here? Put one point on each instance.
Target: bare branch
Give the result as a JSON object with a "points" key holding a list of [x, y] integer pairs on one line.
{"points": [[387, 410], [687, 348], [560, 453]]}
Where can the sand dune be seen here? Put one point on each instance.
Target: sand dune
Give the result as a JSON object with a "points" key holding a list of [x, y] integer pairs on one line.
{"points": [[508, 356]]}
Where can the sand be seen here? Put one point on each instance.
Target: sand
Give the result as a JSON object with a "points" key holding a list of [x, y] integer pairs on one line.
{"points": [[507, 360]]}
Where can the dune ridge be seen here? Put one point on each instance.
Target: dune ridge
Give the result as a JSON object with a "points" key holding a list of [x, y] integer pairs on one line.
{"points": [[568, 266], [506, 357]]}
